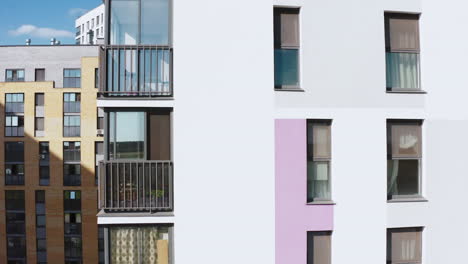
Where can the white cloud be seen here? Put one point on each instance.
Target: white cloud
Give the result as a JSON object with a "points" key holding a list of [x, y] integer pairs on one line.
{"points": [[31, 30], [76, 12]]}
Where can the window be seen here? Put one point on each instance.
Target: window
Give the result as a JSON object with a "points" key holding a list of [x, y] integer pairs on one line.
{"points": [[44, 165], [134, 22], [15, 226], [100, 118], [318, 160], [97, 32], [72, 226], [71, 126], [14, 126], [96, 76], [404, 245], [40, 75], [87, 25], [41, 244], [39, 99], [286, 37], [97, 21], [14, 103], [319, 247], [78, 30], [144, 240], [82, 40], [101, 245], [71, 78], [14, 75], [78, 42], [92, 23], [402, 51], [155, 127], [71, 118], [39, 115], [14, 115], [71, 166], [71, 103], [102, 30], [404, 153], [124, 145], [14, 163], [99, 153]]}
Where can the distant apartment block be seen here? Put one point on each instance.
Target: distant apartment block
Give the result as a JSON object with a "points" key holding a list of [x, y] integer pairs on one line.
{"points": [[90, 27], [48, 188]]}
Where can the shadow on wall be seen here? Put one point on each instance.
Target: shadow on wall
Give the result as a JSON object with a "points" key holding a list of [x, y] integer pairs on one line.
{"points": [[31, 164]]}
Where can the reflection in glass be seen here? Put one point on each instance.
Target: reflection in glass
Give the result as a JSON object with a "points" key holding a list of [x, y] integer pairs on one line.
{"points": [[124, 22], [155, 12], [286, 67], [135, 22], [125, 143]]}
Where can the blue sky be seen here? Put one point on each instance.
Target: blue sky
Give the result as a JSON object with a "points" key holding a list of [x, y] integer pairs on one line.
{"points": [[40, 20]]}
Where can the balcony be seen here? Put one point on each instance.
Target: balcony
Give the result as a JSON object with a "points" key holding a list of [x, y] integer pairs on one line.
{"points": [[14, 179], [136, 186], [136, 71]]}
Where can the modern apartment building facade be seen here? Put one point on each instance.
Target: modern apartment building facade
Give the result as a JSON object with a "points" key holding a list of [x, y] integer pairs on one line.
{"points": [[90, 27], [48, 188], [282, 141], [171, 179]]}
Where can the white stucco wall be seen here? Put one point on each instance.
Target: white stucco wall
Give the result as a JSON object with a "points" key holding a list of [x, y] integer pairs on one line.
{"points": [[343, 77]]}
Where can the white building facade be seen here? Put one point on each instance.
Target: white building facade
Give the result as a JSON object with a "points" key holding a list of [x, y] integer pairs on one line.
{"points": [[90, 27], [285, 131]]}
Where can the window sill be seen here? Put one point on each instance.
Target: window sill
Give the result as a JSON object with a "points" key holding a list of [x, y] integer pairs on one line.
{"points": [[321, 203], [418, 199], [406, 92], [289, 90]]}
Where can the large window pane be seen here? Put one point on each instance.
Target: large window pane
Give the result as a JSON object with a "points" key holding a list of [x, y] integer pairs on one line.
{"points": [[124, 22], [127, 143], [286, 67], [402, 70], [403, 177], [155, 22]]}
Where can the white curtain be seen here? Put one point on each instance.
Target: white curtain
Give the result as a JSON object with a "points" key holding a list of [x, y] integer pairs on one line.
{"points": [[392, 187], [403, 70], [139, 245]]}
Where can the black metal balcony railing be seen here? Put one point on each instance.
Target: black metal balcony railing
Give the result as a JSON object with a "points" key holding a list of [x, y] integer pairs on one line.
{"points": [[136, 71], [136, 185], [12, 179]]}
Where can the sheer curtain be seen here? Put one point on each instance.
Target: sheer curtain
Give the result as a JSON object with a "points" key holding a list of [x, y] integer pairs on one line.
{"points": [[139, 245], [402, 70]]}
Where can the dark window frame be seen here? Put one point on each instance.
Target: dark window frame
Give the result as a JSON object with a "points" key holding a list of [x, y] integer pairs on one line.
{"points": [[76, 80], [407, 122], [277, 11], [13, 73]]}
